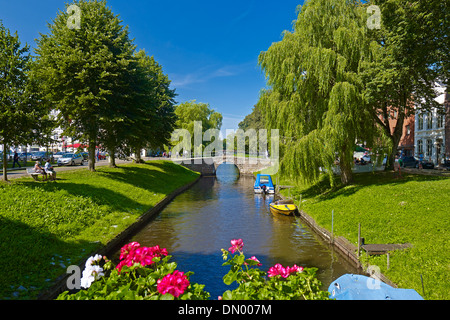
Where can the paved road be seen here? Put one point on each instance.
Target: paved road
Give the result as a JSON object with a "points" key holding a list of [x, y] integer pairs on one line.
{"points": [[21, 173]]}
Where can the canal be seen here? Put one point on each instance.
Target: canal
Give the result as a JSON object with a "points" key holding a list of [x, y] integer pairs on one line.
{"points": [[198, 223]]}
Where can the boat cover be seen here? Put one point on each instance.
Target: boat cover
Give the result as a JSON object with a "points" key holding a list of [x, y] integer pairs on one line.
{"points": [[264, 180], [358, 287]]}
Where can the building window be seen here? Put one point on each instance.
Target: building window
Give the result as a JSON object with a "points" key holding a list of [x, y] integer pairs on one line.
{"points": [[440, 121], [408, 130], [420, 146], [429, 147], [429, 121], [420, 121]]}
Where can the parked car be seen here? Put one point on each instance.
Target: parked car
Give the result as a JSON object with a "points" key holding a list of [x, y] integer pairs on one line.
{"points": [[9, 156], [23, 155], [70, 159], [446, 164], [426, 165], [409, 161], [41, 156], [58, 155], [85, 155]]}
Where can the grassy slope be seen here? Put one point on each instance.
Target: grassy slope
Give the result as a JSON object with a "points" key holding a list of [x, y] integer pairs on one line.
{"points": [[413, 210], [45, 227]]}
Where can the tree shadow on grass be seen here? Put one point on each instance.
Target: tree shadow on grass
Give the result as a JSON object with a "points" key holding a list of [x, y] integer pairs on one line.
{"points": [[101, 196], [33, 259], [168, 178]]}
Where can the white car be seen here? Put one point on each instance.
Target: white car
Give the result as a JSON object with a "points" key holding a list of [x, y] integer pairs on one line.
{"points": [[70, 159], [58, 155]]}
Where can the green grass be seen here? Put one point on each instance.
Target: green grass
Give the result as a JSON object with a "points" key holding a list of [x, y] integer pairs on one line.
{"points": [[414, 209], [47, 226], [22, 164]]}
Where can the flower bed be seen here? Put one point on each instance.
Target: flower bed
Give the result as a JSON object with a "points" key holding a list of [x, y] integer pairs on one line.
{"points": [[145, 273]]}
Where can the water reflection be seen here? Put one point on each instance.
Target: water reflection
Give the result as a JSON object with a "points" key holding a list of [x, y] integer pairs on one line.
{"points": [[197, 224]]}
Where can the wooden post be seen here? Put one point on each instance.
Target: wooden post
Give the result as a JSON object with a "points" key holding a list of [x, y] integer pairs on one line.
{"points": [[359, 239], [332, 226], [388, 262], [423, 288]]}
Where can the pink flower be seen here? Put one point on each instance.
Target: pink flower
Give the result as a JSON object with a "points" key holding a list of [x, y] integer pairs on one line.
{"points": [[279, 270], [294, 268], [127, 249], [175, 284], [133, 253], [236, 245], [255, 259]]}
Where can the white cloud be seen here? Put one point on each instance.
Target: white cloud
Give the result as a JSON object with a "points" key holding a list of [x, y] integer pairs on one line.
{"points": [[204, 75]]}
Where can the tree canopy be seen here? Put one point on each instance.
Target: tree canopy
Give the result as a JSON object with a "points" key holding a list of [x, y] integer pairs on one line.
{"points": [[84, 72], [107, 93], [333, 81], [315, 96], [23, 113]]}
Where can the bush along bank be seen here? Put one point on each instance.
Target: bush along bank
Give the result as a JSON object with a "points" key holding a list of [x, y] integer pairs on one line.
{"points": [[146, 274], [45, 227]]}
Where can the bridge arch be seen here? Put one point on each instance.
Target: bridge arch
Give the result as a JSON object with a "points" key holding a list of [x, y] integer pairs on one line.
{"points": [[208, 166]]}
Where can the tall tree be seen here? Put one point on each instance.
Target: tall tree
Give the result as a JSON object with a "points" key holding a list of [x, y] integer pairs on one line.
{"points": [[83, 69], [21, 111], [406, 58], [315, 96]]}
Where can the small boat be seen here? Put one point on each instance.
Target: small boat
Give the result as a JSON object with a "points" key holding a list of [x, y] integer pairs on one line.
{"points": [[358, 287], [284, 207], [264, 184]]}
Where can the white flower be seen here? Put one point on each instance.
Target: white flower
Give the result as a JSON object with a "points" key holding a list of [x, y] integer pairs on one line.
{"points": [[91, 272], [93, 260]]}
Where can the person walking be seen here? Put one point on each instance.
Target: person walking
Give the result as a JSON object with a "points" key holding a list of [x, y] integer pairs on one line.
{"points": [[16, 160]]}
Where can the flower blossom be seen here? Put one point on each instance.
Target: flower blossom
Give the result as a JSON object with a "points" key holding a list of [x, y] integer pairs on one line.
{"points": [[279, 270], [254, 259], [175, 284], [92, 271], [133, 253], [236, 245]]}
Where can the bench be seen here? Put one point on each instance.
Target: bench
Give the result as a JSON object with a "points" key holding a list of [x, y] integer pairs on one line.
{"points": [[34, 174]]}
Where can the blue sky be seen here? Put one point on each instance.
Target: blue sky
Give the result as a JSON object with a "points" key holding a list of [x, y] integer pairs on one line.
{"points": [[209, 49]]}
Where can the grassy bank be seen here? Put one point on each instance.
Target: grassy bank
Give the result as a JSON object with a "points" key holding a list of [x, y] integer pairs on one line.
{"points": [[45, 226], [414, 209]]}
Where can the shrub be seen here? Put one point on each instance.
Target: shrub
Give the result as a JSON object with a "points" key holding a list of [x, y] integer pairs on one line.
{"points": [[145, 273]]}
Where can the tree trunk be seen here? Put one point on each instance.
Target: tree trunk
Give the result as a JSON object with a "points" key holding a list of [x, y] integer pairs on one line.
{"points": [[137, 154], [345, 166], [112, 158], [91, 162], [5, 163], [396, 136]]}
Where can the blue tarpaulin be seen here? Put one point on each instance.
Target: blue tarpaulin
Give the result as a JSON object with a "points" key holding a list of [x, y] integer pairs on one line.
{"points": [[358, 287]]}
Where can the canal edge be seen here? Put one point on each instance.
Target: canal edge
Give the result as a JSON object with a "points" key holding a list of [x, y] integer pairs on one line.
{"points": [[344, 246], [60, 285]]}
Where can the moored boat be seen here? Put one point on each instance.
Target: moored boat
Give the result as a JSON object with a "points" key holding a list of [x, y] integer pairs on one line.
{"points": [[359, 287], [287, 208], [264, 184]]}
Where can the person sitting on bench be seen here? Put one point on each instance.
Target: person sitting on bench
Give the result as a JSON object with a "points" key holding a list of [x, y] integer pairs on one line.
{"points": [[49, 170], [39, 169]]}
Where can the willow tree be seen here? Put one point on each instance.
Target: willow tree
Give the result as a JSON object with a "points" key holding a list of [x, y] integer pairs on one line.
{"points": [[315, 94]]}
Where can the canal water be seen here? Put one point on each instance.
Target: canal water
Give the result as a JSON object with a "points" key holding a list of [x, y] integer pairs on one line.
{"points": [[198, 223]]}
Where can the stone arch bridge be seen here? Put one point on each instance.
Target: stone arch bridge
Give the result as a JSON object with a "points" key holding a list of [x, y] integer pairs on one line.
{"points": [[246, 165]]}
